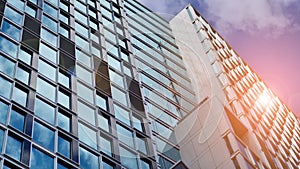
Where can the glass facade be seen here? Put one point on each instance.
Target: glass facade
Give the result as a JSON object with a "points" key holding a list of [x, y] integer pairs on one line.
{"points": [[81, 82], [89, 84]]}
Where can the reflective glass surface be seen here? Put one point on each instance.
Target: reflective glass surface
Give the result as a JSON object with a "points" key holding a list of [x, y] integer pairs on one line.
{"points": [[20, 96], [63, 121], [13, 15], [13, 148], [64, 146], [40, 160], [3, 112], [87, 135], [6, 66], [5, 92], [17, 120], [1, 139], [128, 159], [8, 46], [11, 30], [88, 160], [43, 135], [45, 89], [44, 111], [125, 135], [22, 75]]}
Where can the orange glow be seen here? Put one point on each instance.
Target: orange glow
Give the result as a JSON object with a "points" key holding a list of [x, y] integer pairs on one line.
{"points": [[264, 99]]}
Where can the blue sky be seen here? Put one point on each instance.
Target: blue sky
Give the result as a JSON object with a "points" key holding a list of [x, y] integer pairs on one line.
{"points": [[266, 33]]}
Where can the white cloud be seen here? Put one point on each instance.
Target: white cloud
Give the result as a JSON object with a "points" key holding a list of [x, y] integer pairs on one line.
{"points": [[252, 16], [270, 17]]}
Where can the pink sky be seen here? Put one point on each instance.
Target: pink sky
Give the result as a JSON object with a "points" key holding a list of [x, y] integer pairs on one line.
{"points": [[266, 34]]}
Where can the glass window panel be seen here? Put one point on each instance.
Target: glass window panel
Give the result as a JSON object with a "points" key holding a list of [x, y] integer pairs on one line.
{"points": [[22, 75], [31, 11], [122, 114], [145, 165], [3, 112], [40, 160], [13, 148], [54, 2], [6, 66], [49, 37], [164, 163], [137, 123], [114, 63], [92, 13], [64, 18], [107, 23], [61, 166], [8, 47], [18, 4], [110, 36], [96, 51], [84, 74], [167, 149], [105, 145], [48, 52], [44, 111], [87, 135], [45, 89], [64, 31], [116, 78], [64, 122], [13, 15], [125, 135], [43, 136], [128, 159], [80, 6], [1, 140], [92, 3], [106, 165], [141, 143], [63, 99], [51, 24], [118, 95], [85, 92], [103, 122], [86, 112], [25, 56], [64, 79], [80, 17], [11, 30], [64, 6], [82, 30], [106, 13], [101, 102], [50, 10], [20, 96], [125, 56], [17, 120], [64, 147], [95, 37], [5, 92], [83, 58], [84, 44], [94, 25], [88, 160], [113, 50], [33, 1]]}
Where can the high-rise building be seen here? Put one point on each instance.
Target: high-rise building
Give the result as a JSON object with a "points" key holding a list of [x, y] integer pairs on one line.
{"points": [[108, 84]]}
